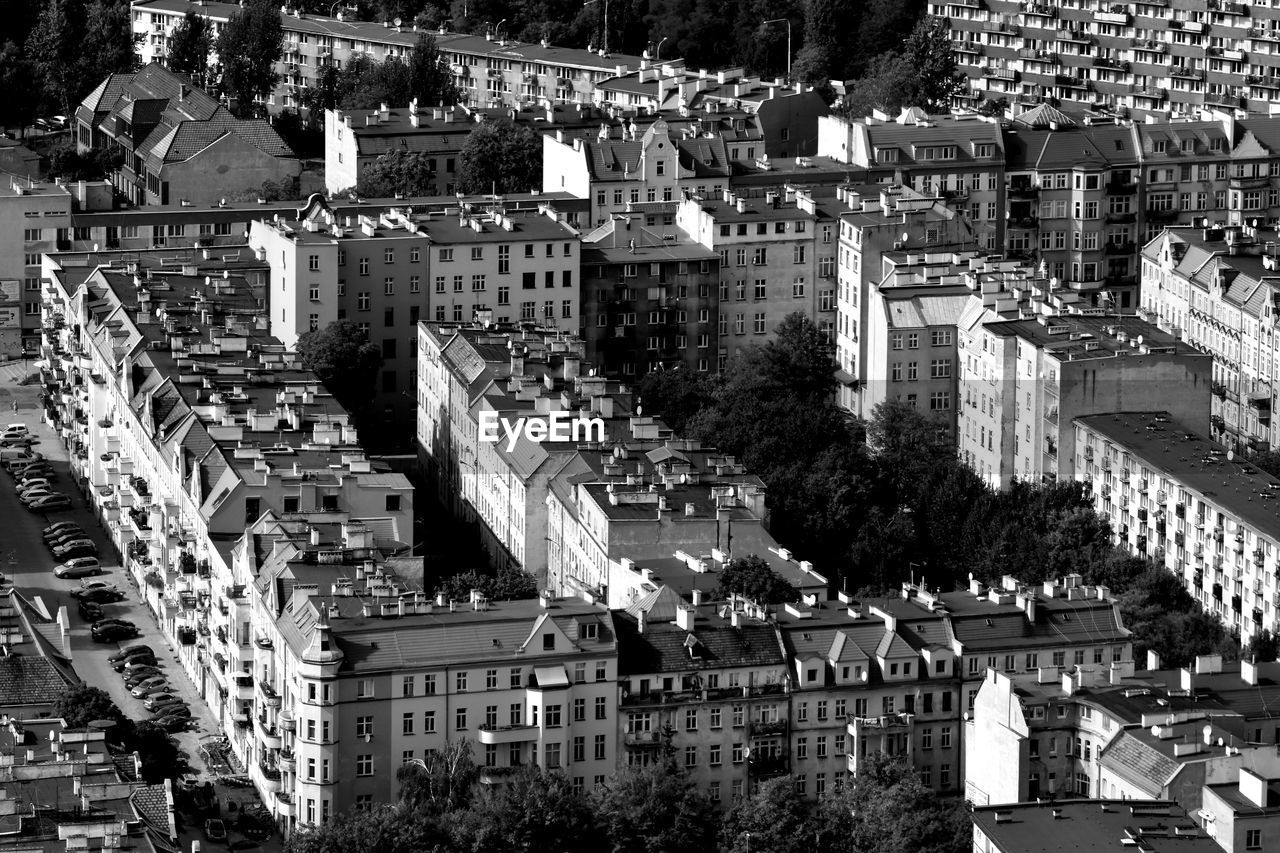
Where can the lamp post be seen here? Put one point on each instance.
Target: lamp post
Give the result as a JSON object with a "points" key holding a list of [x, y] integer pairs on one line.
{"points": [[786, 21], [604, 47], [657, 53], [498, 29]]}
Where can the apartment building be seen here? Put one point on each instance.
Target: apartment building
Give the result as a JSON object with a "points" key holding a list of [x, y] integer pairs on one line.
{"points": [[1217, 289], [1143, 59], [1107, 826], [1023, 381], [357, 672], [771, 250], [186, 421], [688, 575], [710, 687], [390, 272], [650, 299], [177, 143], [489, 71], [1174, 495], [40, 215], [875, 221], [64, 790], [960, 159]]}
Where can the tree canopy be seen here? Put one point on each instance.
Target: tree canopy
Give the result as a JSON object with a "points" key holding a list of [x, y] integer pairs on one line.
{"points": [[655, 807], [752, 577], [74, 44], [500, 157], [507, 584], [190, 44], [250, 43], [366, 84], [406, 173], [921, 73], [342, 357]]}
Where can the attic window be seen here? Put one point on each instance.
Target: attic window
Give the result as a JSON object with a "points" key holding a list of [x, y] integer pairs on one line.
{"points": [[1119, 145], [590, 631], [807, 636], [548, 642]]}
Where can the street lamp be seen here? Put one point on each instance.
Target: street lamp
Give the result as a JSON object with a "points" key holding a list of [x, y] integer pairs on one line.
{"points": [[498, 29], [604, 47], [657, 53], [786, 21]]}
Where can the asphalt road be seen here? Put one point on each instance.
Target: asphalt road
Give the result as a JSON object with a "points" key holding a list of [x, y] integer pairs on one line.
{"points": [[24, 558]]}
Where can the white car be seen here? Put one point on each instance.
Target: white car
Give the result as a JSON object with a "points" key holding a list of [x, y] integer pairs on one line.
{"points": [[16, 429]]}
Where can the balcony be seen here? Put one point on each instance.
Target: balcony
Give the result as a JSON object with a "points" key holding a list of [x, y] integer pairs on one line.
{"points": [[641, 740], [1157, 93], [1070, 80], [1077, 36], [1218, 389], [1126, 248], [771, 727], [287, 721], [244, 687], [967, 47], [768, 765], [498, 775], [1044, 10], [1121, 218], [490, 735], [1264, 33], [1161, 214], [1113, 64], [284, 804], [1028, 54], [269, 695], [270, 777], [1000, 27], [1249, 182], [1184, 73], [287, 761]]}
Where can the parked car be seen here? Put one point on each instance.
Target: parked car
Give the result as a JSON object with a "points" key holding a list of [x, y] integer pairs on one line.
{"points": [[113, 620], [33, 494], [149, 686], [32, 470], [90, 612], [87, 584], [147, 659], [59, 526], [16, 429], [127, 652], [98, 595], [80, 567], [159, 699], [173, 723], [17, 441], [215, 830], [63, 539], [49, 503], [113, 633], [34, 481], [133, 676], [177, 711], [76, 548]]}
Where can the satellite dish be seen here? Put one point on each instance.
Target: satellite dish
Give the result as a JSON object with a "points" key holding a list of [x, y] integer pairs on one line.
{"points": [[1139, 340], [1155, 731], [639, 411], [906, 236], [1231, 455], [746, 752], [1220, 741], [396, 22]]}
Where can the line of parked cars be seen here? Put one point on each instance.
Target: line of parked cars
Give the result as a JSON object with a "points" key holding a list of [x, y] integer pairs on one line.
{"points": [[32, 474], [146, 680]]}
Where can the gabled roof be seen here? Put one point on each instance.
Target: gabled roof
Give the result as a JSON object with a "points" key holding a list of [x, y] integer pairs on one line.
{"points": [[665, 647], [1044, 117]]}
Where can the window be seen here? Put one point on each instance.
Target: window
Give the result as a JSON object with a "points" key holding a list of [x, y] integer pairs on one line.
{"points": [[428, 722], [460, 719], [460, 682], [579, 710], [364, 727], [364, 266], [429, 685], [514, 680], [1253, 839], [600, 746], [553, 717], [406, 723], [477, 253], [691, 719], [940, 368], [940, 401], [601, 708], [364, 688]]}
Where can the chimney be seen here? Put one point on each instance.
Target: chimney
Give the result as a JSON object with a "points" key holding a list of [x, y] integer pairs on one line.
{"points": [[640, 620], [1249, 672], [572, 365], [315, 536], [1153, 660], [685, 617], [697, 597]]}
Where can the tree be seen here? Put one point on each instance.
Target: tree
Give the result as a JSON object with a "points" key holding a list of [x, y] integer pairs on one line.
{"points": [[935, 76], [886, 809], [398, 172], [80, 704], [1263, 647], [66, 162], [442, 783], [108, 45], [157, 752], [801, 358], [500, 157], [250, 43], [51, 52], [676, 396], [382, 828], [775, 818], [18, 108], [509, 584], [751, 577], [537, 810], [342, 357], [430, 78], [656, 807], [190, 44]]}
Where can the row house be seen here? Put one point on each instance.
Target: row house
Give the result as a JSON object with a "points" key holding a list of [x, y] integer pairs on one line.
{"points": [[356, 673], [488, 70], [175, 142], [468, 374], [1218, 290], [186, 421], [1121, 59], [1023, 381], [875, 221], [777, 257], [650, 300], [1172, 494], [706, 683], [390, 272]]}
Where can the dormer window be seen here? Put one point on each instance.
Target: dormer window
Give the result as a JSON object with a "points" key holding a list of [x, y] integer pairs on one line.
{"points": [[1158, 146], [984, 149], [886, 155]]}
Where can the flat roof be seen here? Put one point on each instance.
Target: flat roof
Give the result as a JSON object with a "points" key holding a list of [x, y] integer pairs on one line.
{"points": [[1068, 826], [1077, 337], [1196, 463]]}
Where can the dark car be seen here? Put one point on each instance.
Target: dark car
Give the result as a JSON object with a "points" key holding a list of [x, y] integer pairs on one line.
{"points": [[60, 526], [114, 620], [173, 723], [98, 595], [113, 632], [215, 830], [147, 659], [76, 548], [61, 537], [135, 675], [129, 651], [90, 612], [176, 711]]}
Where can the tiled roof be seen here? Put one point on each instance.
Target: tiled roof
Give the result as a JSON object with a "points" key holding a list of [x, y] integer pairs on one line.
{"points": [[1139, 763], [665, 647], [26, 680]]}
